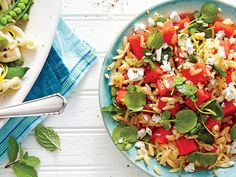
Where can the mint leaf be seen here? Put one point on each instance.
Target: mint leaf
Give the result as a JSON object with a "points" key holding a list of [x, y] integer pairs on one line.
{"points": [[13, 149], [23, 170], [209, 12], [32, 161], [155, 40], [47, 138], [185, 120]]}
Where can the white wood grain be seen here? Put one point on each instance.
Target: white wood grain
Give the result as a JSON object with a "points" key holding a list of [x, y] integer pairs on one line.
{"points": [[87, 150]]}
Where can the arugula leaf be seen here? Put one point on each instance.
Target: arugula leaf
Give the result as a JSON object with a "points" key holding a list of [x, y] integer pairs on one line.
{"points": [[206, 138], [213, 107], [125, 137], [13, 149], [209, 12], [179, 81], [155, 40], [47, 138], [23, 170], [32, 161], [219, 70], [185, 120], [188, 90], [161, 19], [205, 159], [192, 58], [135, 99], [233, 132]]}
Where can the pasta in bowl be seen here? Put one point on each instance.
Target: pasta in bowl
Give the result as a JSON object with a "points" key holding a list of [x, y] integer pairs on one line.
{"points": [[169, 94]]}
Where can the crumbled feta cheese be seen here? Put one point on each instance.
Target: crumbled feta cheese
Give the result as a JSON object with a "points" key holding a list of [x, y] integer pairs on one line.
{"points": [[230, 92], [156, 118], [232, 40], [107, 76], [146, 117], [165, 66], [148, 131], [135, 74], [223, 105], [158, 54], [189, 46], [139, 144], [151, 21], [174, 16], [228, 21], [166, 57], [120, 141], [189, 168], [220, 34], [221, 52], [139, 28], [231, 163], [210, 61], [141, 133], [165, 45], [233, 147]]}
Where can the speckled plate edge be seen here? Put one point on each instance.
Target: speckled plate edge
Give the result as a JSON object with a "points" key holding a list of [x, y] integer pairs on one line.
{"points": [[104, 91]]}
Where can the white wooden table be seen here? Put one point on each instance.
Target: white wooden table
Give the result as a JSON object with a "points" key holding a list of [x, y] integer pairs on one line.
{"points": [[87, 150]]}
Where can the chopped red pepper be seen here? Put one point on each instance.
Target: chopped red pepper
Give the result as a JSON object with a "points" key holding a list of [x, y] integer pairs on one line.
{"points": [[210, 123], [186, 146], [151, 76], [229, 75], [168, 32], [176, 109], [202, 95], [135, 46], [228, 29], [230, 108], [159, 135], [120, 96], [182, 22]]}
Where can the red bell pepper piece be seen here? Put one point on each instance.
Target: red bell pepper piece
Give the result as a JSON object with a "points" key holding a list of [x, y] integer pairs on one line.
{"points": [[182, 22], [168, 32], [230, 108], [201, 77], [147, 107], [227, 46], [176, 109], [135, 44], [186, 146], [229, 75], [179, 59], [151, 76], [120, 96], [203, 96], [210, 123], [159, 135], [228, 29]]}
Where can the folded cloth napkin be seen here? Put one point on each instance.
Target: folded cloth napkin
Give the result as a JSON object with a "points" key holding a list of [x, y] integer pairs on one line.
{"points": [[68, 61]]}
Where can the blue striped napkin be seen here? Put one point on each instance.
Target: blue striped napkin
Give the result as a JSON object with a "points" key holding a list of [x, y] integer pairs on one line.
{"points": [[68, 61]]}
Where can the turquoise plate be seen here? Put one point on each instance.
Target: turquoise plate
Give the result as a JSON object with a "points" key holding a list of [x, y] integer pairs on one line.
{"points": [[104, 91]]}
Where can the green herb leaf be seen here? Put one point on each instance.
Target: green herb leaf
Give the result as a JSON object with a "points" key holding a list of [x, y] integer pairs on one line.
{"points": [[182, 39], [13, 149], [112, 109], [213, 108], [16, 72], [166, 115], [113, 91], [125, 137], [150, 62], [155, 40], [185, 120], [32, 161], [205, 159], [193, 58], [187, 89], [179, 81], [209, 33], [23, 170], [206, 138], [198, 129], [135, 99], [161, 19], [209, 12], [47, 138], [168, 51], [233, 132], [219, 71], [196, 14]]}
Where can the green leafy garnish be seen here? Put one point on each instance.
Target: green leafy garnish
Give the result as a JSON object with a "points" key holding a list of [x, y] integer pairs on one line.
{"points": [[22, 164], [209, 12], [166, 115], [188, 90], [193, 58], [47, 138], [198, 129], [213, 107], [182, 39], [125, 137], [209, 33], [219, 70], [112, 109], [16, 72], [161, 19], [179, 81], [150, 62], [233, 132], [135, 99], [205, 159], [206, 138], [155, 40], [196, 14]]}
